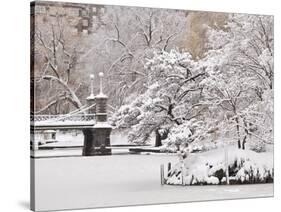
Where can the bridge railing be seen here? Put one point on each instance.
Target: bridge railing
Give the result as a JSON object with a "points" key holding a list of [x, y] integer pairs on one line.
{"points": [[63, 118]]}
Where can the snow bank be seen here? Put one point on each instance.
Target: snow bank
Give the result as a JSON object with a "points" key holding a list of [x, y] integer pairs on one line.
{"points": [[245, 166]]}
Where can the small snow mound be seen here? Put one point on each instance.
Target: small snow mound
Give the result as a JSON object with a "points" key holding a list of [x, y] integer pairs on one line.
{"points": [[213, 180], [245, 166]]}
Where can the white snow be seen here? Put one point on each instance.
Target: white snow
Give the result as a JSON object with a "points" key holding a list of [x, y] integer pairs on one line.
{"points": [[64, 123], [102, 125], [105, 181]]}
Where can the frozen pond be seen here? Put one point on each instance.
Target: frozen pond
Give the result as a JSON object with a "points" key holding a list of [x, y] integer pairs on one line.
{"points": [[104, 181]]}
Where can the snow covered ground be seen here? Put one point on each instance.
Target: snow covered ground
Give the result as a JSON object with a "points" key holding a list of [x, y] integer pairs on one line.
{"points": [[104, 181]]}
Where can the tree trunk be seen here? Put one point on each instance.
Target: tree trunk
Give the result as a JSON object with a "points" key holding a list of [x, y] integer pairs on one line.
{"points": [[244, 142], [238, 133], [246, 133], [158, 140]]}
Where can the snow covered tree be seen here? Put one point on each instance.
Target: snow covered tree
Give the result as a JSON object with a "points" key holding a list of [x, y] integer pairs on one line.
{"points": [[171, 98], [131, 35], [247, 45], [240, 69]]}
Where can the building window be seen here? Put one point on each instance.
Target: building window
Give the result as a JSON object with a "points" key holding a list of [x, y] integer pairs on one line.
{"points": [[84, 13], [74, 31], [73, 12], [94, 9], [32, 10], [40, 9], [61, 11], [94, 18], [85, 22], [102, 10], [53, 11]]}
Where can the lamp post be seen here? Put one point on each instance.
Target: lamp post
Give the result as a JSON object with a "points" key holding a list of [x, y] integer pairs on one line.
{"points": [[101, 103], [91, 97], [97, 138], [92, 77], [101, 75]]}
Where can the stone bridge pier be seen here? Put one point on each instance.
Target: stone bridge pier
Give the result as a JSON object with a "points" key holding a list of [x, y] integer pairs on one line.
{"points": [[97, 138]]}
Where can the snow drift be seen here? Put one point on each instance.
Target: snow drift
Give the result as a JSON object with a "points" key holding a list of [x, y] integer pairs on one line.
{"points": [[245, 166]]}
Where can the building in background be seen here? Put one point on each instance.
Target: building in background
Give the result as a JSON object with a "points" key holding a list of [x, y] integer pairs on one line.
{"points": [[83, 18]]}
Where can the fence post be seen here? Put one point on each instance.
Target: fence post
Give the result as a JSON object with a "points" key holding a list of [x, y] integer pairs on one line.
{"points": [[226, 164], [169, 169], [182, 180], [182, 173], [162, 174]]}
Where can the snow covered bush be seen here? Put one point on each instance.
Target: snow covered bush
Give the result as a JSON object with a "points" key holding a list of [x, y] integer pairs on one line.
{"points": [[186, 133], [257, 146], [245, 166]]}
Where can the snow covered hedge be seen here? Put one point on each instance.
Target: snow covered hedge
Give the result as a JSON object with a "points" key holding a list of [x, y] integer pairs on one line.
{"points": [[245, 166], [207, 145]]}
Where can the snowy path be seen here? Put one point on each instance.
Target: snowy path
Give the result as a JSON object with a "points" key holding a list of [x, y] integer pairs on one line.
{"points": [[76, 182]]}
